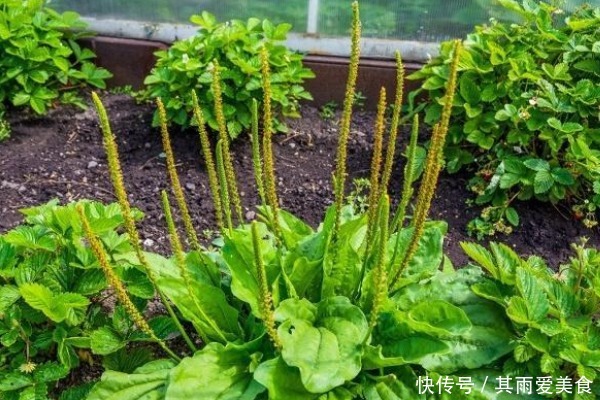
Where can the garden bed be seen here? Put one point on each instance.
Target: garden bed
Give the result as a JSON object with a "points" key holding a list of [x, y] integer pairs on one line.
{"points": [[61, 156]]}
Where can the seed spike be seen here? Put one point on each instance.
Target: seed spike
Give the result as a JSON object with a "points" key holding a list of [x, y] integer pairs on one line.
{"points": [[375, 190], [266, 298], [116, 175], [256, 154], [224, 138], [391, 150], [342, 149], [433, 166], [174, 178], [213, 180], [224, 190], [117, 285], [269, 170]]}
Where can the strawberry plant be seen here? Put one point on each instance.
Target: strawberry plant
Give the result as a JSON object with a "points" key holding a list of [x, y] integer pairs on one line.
{"points": [[41, 63], [52, 298], [553, 313], [526, 112], [234, 48]]}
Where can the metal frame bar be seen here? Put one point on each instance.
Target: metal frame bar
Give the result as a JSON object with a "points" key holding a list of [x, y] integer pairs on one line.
{"points": [[306, 43]]}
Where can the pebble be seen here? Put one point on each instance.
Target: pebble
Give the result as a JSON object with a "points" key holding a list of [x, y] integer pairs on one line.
{"points": [[22, 189], [92, 164], [148, 243], [147, 145], [190, 186], [292, 145], [10, 185], [250, 215]]}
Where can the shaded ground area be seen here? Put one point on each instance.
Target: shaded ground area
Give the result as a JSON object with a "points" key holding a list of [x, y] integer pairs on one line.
{"points": [[61, 156]]}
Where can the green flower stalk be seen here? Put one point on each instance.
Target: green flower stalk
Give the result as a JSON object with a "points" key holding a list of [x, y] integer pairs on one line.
{"points": [[118, 286], [342, 148], [224, 138], [391, 150], [223, 187], [266, 298], [174, 177], [213, 180], [116, 176], [269, 170], [256, 154], [380, 271], [433, 167], [375, 191], [182, 265], [409, 177]]}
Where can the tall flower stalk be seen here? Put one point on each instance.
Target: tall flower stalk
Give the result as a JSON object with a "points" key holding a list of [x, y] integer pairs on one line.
{"points": [[433, 167], [256, 154], [174, 178], [225, 143], [116, 175], [213, 179]]}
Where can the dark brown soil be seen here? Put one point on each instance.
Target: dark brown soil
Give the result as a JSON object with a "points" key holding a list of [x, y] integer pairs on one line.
{"points": [[61, 156]]}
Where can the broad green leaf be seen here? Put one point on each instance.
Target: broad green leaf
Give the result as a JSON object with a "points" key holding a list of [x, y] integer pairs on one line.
{"points": [[212, 300], [216, 373], [438, 317], [60, 307], [146, 383], [537, 164], [282, 381], [512, 216], [325, 346], [469, 90], [9, 295]]}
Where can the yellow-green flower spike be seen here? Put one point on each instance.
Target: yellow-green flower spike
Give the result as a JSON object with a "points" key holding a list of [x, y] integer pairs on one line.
{"points": [[223, 187], [174, 178], [391, 150], [224, 138], [266, 298], [433, 167], [342, 148], [181, 264], [117, 285], [116, 176], [213, 180], [256, 154], [375, 190], [269, 170]]}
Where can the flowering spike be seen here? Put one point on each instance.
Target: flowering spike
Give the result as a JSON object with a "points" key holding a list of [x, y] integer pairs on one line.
{"points": [[391, 150], [224, 190], [116, 175], [342, 148], [224, 138], [266, 298], [375, 190], [175, 183], [256, 154], [433, 167], [269, 171], [213, 180], [117, 285]]}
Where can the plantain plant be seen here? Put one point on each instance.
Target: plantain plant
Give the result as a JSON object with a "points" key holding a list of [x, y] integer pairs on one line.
{"points": [[353, 309]]}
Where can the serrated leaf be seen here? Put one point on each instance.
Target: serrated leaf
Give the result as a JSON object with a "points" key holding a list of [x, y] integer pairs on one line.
{"points": [[537, 164], [543, 181]]}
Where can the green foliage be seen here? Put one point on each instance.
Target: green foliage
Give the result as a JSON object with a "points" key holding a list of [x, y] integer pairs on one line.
{"points": [[553, 313], [235, 45], [327, 110], [4, 127], [527, 111], [48, 321], [41, 62]]}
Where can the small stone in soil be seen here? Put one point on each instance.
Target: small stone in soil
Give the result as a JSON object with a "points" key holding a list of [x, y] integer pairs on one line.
{"points": [[250, 215], [190, 186], [148, 243], [92, 164]]}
